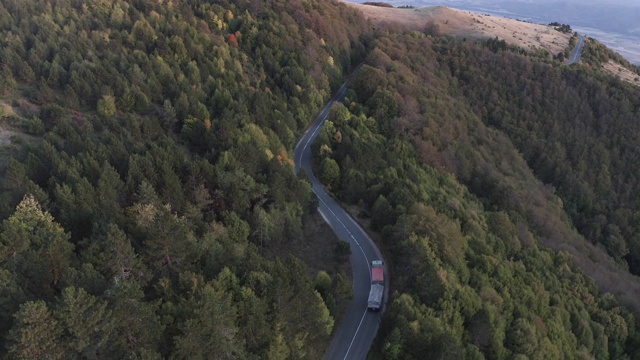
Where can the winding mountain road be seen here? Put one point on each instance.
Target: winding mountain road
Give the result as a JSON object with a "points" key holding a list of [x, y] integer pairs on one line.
{"points": [[575, 56], [353, 339]]}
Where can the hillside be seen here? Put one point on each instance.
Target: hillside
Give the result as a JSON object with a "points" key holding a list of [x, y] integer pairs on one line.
{"points": [[461, 24], [449, 152], [148, 202], [467, 25], [149, 206]]}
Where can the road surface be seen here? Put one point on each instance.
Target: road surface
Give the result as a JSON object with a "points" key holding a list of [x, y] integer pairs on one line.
{"points": [[575, 56], [355, 335]]}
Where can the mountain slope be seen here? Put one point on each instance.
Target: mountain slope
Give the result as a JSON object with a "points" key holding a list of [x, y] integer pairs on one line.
{"points": [[543, 40], [149, 207], [466, 222], [154, 209]]}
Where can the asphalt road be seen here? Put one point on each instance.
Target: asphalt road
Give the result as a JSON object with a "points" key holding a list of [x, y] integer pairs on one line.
{"points": [[575, 56], [353, 339]]}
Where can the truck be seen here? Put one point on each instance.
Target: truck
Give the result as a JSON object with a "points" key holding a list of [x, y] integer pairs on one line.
{"points": [[376, 291]]}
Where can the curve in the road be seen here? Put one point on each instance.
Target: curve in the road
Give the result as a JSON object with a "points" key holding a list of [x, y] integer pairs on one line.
{"points": [[576, 52], [354, 336]]}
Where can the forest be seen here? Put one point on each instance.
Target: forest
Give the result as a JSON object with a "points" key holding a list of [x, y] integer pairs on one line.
{"points": [[149, 208], [483, 169]]}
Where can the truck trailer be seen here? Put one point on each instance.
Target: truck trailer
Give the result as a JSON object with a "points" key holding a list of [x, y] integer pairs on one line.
{"points": [[377, 285], [377, 275], [375, 297]]}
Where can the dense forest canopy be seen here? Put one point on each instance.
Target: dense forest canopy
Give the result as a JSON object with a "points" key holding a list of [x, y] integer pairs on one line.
{"points": [[576, 132], [149, 207], [460, 155], [149, 204]]}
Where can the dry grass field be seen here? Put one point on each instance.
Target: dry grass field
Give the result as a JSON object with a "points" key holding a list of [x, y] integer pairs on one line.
{"points": [[622, 72], [464, 24]]}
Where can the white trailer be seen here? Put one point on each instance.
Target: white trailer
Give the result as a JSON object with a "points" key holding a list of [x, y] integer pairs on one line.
{"points": [[375, 297]]}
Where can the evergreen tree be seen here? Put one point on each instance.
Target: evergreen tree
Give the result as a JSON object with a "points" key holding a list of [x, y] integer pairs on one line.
{"points": [[137, 327], [119, 259], [36, 334], [212, 331], [36, 248], [107, 106], [11, 296], [86, 321]]}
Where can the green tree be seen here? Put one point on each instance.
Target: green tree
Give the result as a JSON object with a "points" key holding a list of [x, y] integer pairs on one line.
{"points": [[107, 106], [86, 321], [254, 318], [137, 327], [329, 173], [119, 259], [382, 213], [342, 292], [169, 244], [35, 247], [500, 224], [522, 338], [581, 328], [109, 191], [212, 331], [7, 82], [36, 334], [339, 114], [11, 296], [278, 348], [323, 282], [169, 116]]}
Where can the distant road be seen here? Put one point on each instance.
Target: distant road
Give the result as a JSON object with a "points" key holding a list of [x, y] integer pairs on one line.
{"points": [[575, 56], [353, 339]]}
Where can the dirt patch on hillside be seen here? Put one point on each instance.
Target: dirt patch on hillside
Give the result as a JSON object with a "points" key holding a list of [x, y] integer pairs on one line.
{"points": [[465, 24], [5, 136], [6, 111], [622, 72]]}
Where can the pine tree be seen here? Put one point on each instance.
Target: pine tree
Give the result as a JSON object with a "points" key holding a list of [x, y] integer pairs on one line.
{"points": [[278, 348], [212, 331], [137, 327], [7, 82], [107, 106], [109, 191], [11, 296], [86, 321], [36, 334], [169, 116], [119, 260], [34, 246]]}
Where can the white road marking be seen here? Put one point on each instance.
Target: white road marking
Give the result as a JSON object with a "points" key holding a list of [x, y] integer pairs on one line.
{"points": [[354, 336], [318, 127], [363, 254], [345, 227]]}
